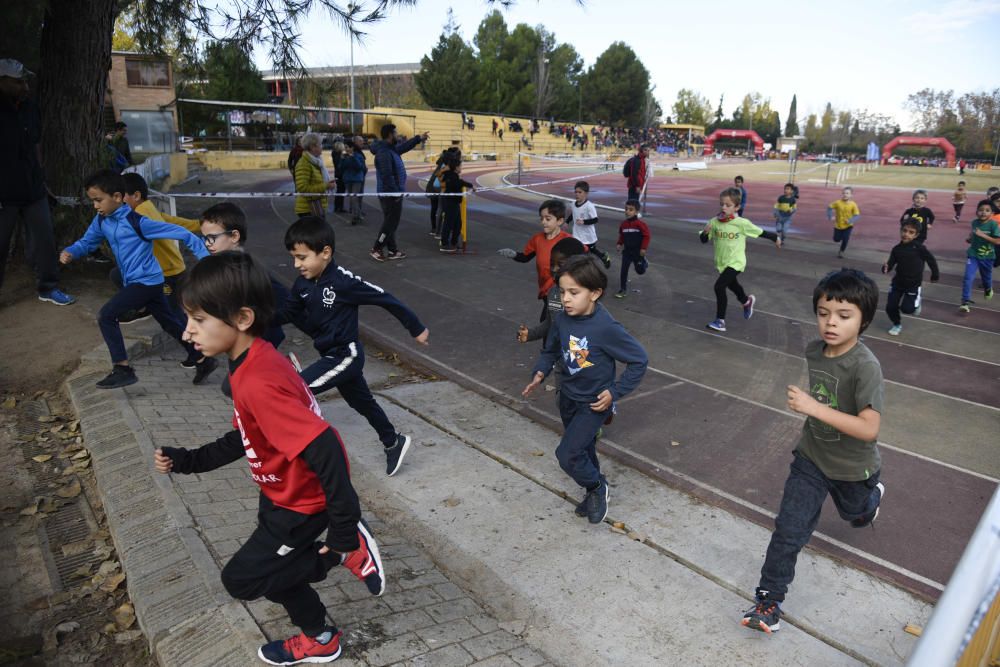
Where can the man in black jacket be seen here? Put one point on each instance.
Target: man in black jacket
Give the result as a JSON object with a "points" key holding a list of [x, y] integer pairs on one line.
{"points": [[23, 194]]}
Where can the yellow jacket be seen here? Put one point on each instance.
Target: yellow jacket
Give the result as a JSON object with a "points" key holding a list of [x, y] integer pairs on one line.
{"points": [[308, 178], [167, 251]]}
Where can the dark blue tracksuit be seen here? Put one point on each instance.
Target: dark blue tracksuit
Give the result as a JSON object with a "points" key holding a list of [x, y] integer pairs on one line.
{"points": [[587, 347], [327, 310]]}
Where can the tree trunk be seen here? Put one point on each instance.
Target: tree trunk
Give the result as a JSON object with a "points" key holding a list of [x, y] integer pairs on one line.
{"points": [[72, 81]]}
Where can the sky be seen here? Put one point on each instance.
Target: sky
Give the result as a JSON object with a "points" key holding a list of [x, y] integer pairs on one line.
{"points": [[855, 54]]}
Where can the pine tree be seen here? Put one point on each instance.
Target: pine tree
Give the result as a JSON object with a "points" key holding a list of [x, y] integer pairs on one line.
{"points": [[792, 125]]}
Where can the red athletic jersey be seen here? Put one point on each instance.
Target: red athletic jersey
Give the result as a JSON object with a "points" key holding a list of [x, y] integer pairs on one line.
{"points": [[278, 416], [542, 248]]}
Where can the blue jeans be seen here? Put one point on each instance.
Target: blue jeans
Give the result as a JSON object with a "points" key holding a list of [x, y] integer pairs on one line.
{"points": [[577, 451], [136, 297], [343, 368], [973, 265], [781, 224], [805, 491]]}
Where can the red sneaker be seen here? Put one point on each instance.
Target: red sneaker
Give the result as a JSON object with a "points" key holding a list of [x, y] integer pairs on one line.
{"points": [[300, 648], [366, 562]]}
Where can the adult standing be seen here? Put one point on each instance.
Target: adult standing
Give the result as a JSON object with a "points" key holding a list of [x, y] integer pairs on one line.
{"points": [[311, 176], [635, 172], [23, 193], [120, 142], [390, 181], [353, 168], [336, 156]]}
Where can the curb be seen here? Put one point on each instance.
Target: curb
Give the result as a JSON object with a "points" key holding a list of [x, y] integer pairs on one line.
{"points": [[188, 620]]}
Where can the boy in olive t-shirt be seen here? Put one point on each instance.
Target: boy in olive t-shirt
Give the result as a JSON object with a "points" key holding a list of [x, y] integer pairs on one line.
{"points": [[837, 452]]}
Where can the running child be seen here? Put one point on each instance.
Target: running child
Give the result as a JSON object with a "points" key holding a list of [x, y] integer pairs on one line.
{"points": [[452, 183], [296, 458], [958, 200], [729, 233], [907, 258], [919, 212], [633, 240], [844, 212], [129, 235], [586, 341], [224, 228], [837, 452], [585, 222], [552, 215], [561, 251], [324, 303], [738, 183], [981, 254], [784, 209]]}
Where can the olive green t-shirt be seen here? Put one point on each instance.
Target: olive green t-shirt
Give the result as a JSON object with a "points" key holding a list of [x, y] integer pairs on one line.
{"points": [[849, 383], [730, 240]]}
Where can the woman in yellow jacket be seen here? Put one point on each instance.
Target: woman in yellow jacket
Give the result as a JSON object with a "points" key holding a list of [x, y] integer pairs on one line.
{"points": [[311, 176]]}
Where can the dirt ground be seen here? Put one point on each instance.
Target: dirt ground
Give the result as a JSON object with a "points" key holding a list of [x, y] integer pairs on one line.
{"points": [[66, 601]]}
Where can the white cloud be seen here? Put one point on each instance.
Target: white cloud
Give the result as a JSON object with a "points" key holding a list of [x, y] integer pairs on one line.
{"points": [[941, 23]]}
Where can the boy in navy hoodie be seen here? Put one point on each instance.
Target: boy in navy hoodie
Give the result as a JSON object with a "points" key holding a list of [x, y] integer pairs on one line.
{"points": [[587, 341], [324, 303], [129, 235]]}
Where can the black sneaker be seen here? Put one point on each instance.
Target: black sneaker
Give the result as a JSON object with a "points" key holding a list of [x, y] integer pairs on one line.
{"points": [[120, 376], [204, 369], [764, 616], [192, 360], [399, 254], [394, 455], [581, 508], [597, 503], [869, 518], [134, 316], [606, 260]]}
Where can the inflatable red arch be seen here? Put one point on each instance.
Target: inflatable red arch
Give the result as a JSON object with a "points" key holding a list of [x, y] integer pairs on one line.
{"points": [[937, 142], [758, 143]]}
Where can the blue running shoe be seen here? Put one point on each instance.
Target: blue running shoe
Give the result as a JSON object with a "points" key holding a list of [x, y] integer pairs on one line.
{"points": [[56, 296]]}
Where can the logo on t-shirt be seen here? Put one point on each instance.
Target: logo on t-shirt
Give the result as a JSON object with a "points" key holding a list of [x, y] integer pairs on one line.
{"points": [[576, 356], [329, 296], [252, 458], [823, 387]]}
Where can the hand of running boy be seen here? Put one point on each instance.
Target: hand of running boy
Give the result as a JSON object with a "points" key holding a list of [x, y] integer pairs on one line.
{"points": [[522, 334], [65, 257], [537, 380], [603, 401], [162, 462], [885, 268], [619, 249], [422, 338], [800, 401]]}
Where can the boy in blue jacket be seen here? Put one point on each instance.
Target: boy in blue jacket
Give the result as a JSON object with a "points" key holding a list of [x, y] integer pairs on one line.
{"points": [[587, 341], [129, 235], [324, 303]]}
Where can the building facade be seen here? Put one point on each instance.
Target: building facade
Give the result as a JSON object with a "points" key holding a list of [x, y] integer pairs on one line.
{"points": [[141, 94]]}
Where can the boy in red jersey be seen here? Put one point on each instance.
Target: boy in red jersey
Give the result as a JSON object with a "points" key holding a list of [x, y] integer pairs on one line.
{"points": [[552, 215], [297, 459]]}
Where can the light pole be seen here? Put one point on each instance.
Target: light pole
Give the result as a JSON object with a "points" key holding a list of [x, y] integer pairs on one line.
{"points": [[350, 8], [996, 142]]}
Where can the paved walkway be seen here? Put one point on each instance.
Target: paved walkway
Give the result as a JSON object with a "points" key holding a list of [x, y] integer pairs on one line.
{"points": [[422, 619]]}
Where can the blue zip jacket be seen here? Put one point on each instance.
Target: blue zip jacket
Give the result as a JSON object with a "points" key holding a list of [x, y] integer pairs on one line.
{"points": [[326, 308], [134, 255], [390, 172], [353, 168], [587, 348]]}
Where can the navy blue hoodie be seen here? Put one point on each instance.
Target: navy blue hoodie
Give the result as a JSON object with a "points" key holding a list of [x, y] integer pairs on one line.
{"points": [[588, 346], [326, 308]]}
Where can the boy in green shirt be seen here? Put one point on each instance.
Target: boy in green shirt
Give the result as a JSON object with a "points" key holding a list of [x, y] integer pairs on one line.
{"points": [[729, 233], [982, 252]]}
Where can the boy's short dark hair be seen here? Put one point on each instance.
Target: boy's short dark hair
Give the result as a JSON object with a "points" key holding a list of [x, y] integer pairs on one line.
{"points": [[230, 216], [738, 178], [582, 185], [136, 183], [919, 192], [312, 232], [121, 125], [634, 203], [852, 286], [554, 206], [587, 273], [568, 247], [220, 285], [961, 182], [106, 180], [910, 222], [386, 130], [733, 194], [790, 185]]}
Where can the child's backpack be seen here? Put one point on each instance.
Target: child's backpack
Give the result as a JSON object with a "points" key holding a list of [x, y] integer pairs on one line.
{"points": [[627, 169]]}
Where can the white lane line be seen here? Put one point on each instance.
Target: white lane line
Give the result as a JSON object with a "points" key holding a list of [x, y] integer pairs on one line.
{"points": [[744, 503]]}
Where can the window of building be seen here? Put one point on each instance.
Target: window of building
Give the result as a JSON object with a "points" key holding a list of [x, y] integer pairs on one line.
{"points": [[150, 73], [150, 131]]}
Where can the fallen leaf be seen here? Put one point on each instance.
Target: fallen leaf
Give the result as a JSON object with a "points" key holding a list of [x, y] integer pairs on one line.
{"points": [[57, 428], [107, 567], [128, 636], [124, 616], [67, 627], [76, 548], [71, 490], [452, 501], [41, 458], [537, 453], [618, 524], [80, 466], [74, 425], [617, 530], [49, 505], [550, 387], [112, 582], [10, 403], [674, 443], [82, 571], [47, 419], [637, 536], [82, 454], [914, 630], [30, 510]]}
